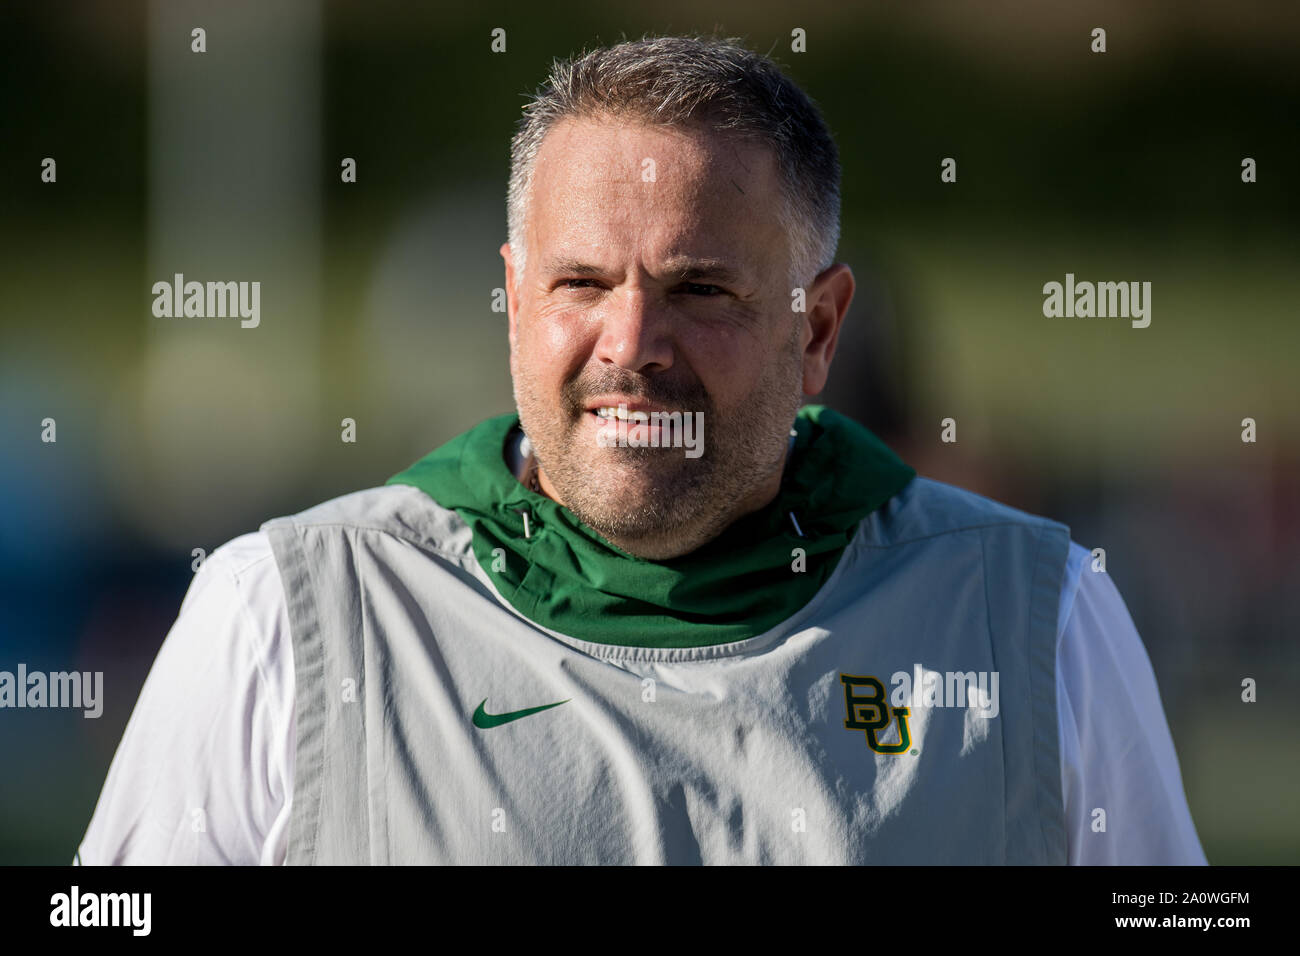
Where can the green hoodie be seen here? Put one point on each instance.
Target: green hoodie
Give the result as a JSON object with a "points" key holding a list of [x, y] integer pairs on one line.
{"points": [[566, 577]]}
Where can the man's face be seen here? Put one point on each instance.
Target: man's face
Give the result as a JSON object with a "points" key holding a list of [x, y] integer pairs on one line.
{"points": [[656, 275]]}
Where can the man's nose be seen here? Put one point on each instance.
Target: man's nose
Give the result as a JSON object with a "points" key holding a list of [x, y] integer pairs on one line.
{"points": [[635, 333]]}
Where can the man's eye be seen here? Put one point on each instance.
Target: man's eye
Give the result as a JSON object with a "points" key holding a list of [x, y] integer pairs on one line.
{"points": [[696, 288], [575, 283]]}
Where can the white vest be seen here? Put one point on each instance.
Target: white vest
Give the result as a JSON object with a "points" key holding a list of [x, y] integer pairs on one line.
{"points": [[774, 749]]}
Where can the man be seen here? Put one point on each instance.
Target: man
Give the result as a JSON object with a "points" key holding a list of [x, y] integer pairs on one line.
{"points": [[663, 615]]}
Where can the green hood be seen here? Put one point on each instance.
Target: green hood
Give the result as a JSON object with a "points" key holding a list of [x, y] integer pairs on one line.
{"points": [[567, 578]]}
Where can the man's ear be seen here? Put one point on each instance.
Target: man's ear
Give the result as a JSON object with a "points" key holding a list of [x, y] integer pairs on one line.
{"points": [[512, 306], [827, 304]]}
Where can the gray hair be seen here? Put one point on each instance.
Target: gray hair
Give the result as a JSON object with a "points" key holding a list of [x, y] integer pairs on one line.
{"points": [[675, 81]]}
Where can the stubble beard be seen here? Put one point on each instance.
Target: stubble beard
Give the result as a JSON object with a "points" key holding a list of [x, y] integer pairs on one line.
{"points": [[657, 503]]}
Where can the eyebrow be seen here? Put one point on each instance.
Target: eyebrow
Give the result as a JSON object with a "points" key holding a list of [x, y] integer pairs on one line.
{"points": [[684, 268]]}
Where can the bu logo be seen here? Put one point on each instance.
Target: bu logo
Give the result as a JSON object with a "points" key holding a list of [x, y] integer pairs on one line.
{"points": [[870, 712]]}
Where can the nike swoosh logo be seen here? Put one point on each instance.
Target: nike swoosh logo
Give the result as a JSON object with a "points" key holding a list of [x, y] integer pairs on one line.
{"points": [[483, 720]]}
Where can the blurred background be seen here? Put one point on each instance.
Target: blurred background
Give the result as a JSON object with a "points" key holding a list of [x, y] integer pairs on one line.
{"points": [[177, 434]]}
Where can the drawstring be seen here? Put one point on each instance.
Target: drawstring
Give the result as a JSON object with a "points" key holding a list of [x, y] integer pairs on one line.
{"points": [[526, 453], [789, 469]]}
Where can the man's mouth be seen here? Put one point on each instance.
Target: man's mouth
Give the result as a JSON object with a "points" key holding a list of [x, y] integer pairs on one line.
{"points": [[639, 423], [620, 413], [615, 407], [635, 423]]}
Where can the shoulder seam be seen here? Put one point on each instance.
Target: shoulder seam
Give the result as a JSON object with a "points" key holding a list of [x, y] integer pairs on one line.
{"points": [[349, 526], [238, 567]]}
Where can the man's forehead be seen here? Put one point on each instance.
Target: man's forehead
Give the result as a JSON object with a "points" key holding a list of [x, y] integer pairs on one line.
{"points": [[698, 194]]}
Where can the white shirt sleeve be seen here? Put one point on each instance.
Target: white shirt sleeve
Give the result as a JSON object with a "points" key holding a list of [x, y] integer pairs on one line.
{"points": [[202, 774], [1117, 754]]}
